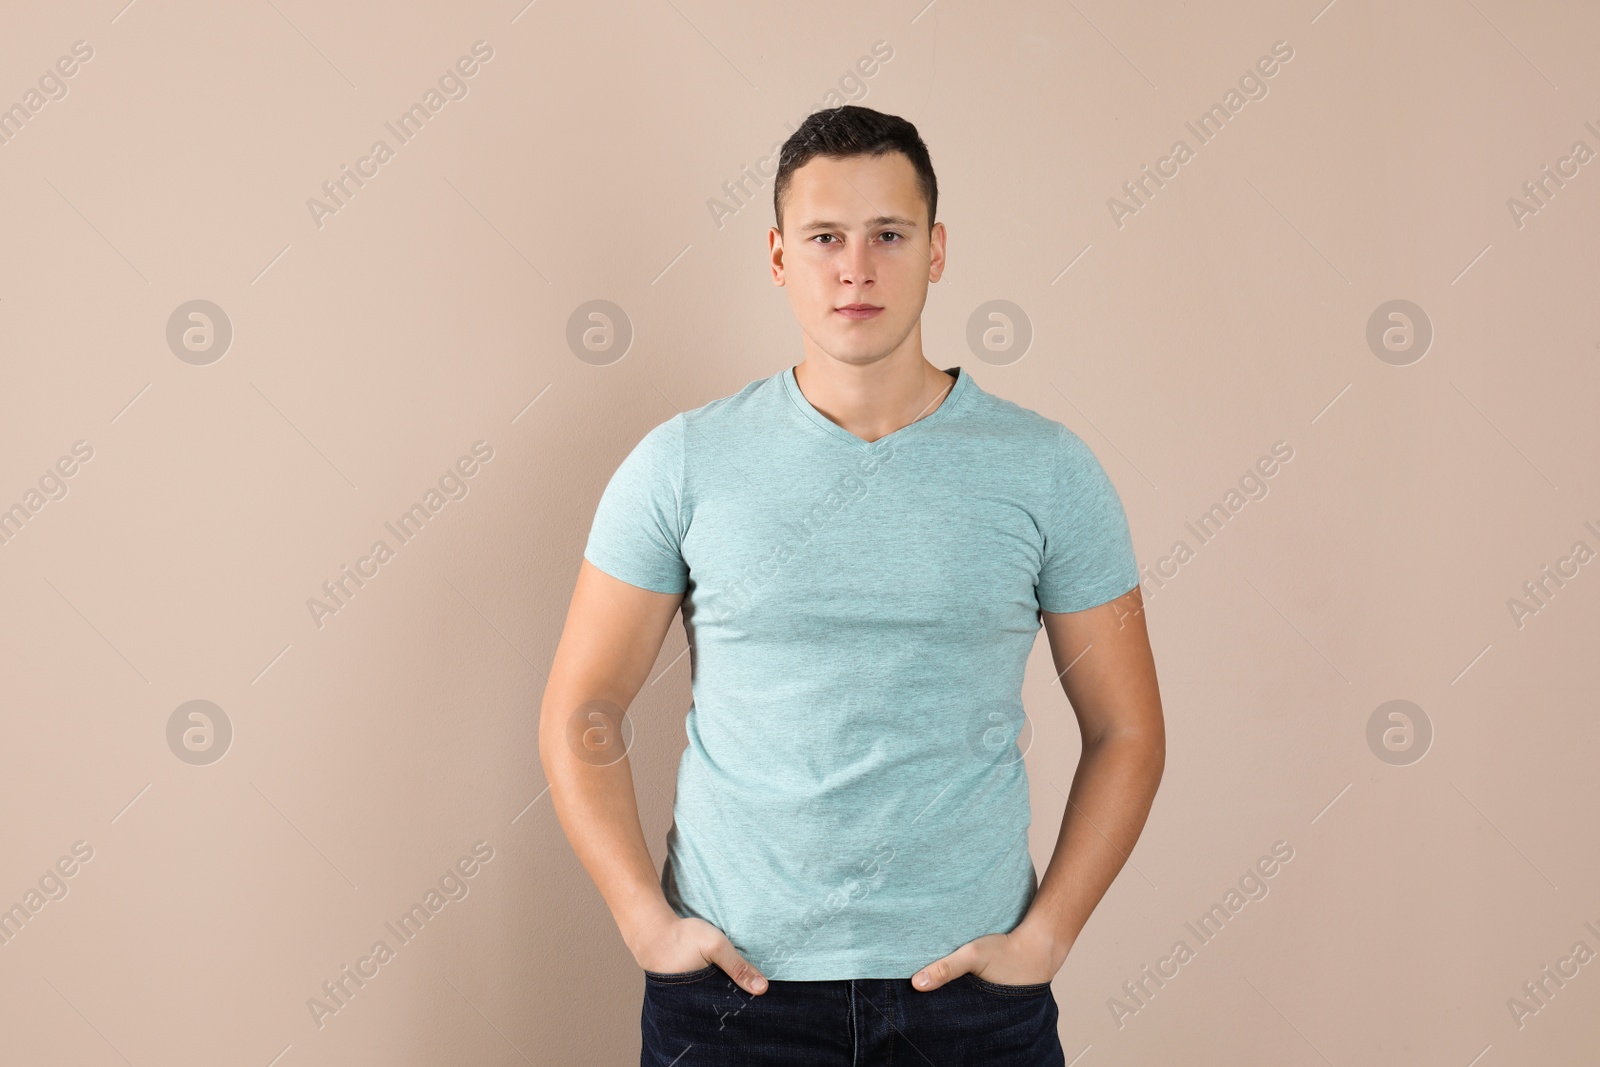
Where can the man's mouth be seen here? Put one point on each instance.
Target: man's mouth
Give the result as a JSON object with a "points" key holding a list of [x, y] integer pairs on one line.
{"points": [[858, 311]]}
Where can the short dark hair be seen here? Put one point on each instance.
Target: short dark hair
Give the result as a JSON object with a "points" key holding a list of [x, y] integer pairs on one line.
{"points": [[849, 130]]}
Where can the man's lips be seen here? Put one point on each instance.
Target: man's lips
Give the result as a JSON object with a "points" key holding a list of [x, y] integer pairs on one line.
{"points": [[858, 311]]}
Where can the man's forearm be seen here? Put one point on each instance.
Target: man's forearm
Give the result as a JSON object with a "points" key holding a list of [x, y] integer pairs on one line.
{"points": [[591, 787], [1111, 796]]}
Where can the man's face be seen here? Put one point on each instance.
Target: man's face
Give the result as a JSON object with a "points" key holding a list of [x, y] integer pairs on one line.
{"points": [[855, 231]]}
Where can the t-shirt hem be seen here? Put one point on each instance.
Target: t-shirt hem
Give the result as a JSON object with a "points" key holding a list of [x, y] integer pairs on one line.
{"points": [[1093, 598], [839, 968], [653, 583]]}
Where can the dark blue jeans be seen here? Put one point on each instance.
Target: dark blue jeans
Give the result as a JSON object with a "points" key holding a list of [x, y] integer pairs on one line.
{"points": [[702, 1019]]}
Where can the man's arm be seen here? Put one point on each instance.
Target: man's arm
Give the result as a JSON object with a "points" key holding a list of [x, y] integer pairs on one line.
{"points": [[1103, 660], [611, 639]]}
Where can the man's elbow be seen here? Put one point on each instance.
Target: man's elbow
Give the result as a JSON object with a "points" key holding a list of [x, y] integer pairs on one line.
{"points": [[1143, 747]]}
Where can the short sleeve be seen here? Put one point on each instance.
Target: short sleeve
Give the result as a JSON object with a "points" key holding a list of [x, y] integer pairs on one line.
{"points": [[636, 535], [1088, 550]]}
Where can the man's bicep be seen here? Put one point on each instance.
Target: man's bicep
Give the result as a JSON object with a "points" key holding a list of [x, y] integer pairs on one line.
{"points": [[612, 637], [1103, 660]]}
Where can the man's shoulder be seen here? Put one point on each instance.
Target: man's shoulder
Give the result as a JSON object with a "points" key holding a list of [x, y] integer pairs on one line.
{"points": [[1006, 421], [720, 414], [728, 419], [734, 404]]}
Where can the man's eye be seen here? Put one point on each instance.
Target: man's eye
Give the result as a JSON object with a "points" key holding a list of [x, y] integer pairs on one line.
{"points": [[887, 233]]}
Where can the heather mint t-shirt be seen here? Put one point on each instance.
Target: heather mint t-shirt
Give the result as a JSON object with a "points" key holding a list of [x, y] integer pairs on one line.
{"points": [[852, 802]]}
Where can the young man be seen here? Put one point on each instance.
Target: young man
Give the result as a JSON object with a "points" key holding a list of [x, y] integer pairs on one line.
{"points": [[864, 548]]}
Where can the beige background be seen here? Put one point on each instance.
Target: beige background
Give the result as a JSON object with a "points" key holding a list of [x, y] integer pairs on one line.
{"points": [[431, 312]]}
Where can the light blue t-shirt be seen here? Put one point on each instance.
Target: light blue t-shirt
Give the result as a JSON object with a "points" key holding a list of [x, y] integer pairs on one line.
{"points": [[852, 802]]}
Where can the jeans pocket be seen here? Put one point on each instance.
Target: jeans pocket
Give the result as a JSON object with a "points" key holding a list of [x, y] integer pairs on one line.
{"points": [[682, 977], [995, 988]]}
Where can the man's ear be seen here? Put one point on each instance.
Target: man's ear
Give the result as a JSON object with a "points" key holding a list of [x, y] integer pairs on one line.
{"points": [[775, 254]]}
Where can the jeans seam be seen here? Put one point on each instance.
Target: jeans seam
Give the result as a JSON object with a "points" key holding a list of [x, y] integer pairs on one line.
{"points": [[855, 1037]]}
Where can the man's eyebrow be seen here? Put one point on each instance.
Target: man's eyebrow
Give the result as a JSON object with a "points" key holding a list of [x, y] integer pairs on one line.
{"points": [[881, 220]]}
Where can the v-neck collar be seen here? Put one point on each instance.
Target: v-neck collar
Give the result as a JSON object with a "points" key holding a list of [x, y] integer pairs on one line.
{"points": [[792, 387]]}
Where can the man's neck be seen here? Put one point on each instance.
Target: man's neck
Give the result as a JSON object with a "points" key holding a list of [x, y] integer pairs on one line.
{"points": [[873, 400]]}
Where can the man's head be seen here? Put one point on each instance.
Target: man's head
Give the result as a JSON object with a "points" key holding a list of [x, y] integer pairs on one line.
{"points": [[854, 199]]}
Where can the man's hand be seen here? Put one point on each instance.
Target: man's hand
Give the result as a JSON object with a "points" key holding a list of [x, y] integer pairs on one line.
{"points": [[1022, 957], [676, 944]]}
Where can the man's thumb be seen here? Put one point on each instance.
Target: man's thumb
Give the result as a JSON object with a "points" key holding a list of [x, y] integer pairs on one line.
{"points": [[739, 969], [942, 970]]}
